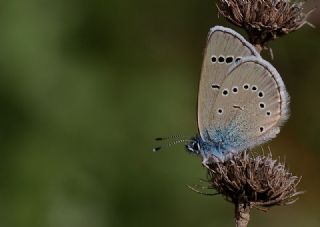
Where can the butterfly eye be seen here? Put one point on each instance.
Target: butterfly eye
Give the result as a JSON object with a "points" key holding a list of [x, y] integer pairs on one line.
{"points": [[196, 146], [220, 111], [268, 113], [261, 129]]}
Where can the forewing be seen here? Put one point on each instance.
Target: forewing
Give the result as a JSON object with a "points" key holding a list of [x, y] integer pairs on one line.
{"points": [[253, 101], [224, 48]]}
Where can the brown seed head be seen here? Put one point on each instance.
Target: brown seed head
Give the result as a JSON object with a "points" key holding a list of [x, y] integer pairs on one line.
{"points": [[254, 181], [264, 20]]}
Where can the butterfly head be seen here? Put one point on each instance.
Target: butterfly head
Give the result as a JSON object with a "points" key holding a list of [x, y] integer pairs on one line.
{"points": [[194, 146], [217, 149], [199, 146]]}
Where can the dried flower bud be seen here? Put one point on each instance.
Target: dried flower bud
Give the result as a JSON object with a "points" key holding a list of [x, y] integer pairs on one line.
{"points": [[255, 181], [251, 181], [264, 20]]}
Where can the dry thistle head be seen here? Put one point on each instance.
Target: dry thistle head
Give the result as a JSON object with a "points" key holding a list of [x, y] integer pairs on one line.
{"points": [[264, 20], [254, 181]]}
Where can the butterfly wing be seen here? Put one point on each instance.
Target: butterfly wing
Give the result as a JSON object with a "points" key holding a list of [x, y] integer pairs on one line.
{"points": [[251, 105], [224, 48]]}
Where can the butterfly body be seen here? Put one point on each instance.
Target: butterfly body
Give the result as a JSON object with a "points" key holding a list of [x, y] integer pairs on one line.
{"points": [[220, 142], [242, 99]]}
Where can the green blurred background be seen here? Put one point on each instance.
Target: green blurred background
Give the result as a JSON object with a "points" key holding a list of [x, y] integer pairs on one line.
{"points": [[85, 86]]}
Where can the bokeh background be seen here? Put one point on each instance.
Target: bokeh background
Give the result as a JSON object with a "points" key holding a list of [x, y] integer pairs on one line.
{"points": [[85, 87]]}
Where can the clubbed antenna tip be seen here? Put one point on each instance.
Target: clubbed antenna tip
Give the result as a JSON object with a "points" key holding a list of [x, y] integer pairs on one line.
{"points": [[156, 149]]}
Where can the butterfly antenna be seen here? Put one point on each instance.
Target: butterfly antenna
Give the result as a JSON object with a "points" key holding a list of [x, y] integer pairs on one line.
{"points": [[170, 144], [170, 137]]}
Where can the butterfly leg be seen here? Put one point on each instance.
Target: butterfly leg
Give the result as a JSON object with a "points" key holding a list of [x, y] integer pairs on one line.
{"points": [[205, 162]]}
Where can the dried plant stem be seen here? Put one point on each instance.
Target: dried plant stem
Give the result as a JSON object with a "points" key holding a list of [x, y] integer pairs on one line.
{"points": [[242, 215]]}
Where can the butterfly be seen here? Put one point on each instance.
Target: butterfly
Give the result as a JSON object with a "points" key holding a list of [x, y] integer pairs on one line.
{"points": [[242, 100]]}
